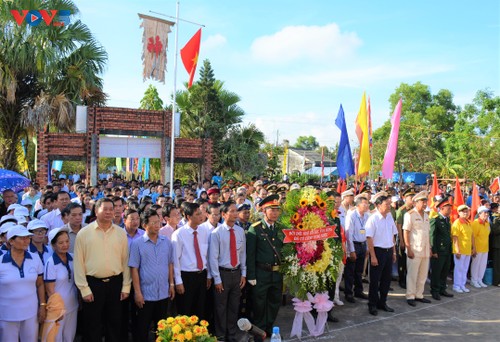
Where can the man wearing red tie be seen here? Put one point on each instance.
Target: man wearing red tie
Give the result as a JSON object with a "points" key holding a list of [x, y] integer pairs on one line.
{"points": [[227, 260], [191, 269]]}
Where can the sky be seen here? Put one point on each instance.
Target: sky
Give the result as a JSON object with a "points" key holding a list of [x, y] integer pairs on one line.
{"points": [[293, 63]]}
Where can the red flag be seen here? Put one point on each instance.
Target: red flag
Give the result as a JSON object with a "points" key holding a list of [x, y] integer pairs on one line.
{"points": [[458, 200], [189, 55], [476, 201], [433, 193], [361, 187], [344, 187], [495, 186]]}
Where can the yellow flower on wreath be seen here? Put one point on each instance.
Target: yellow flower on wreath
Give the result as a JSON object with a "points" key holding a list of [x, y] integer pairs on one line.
{"points": [[322, 205], [204, 323], [170, 320], [180, 338], [176, 329], [189, 335], [193, 319], [322, 264], [334, 214], [303, 202]]}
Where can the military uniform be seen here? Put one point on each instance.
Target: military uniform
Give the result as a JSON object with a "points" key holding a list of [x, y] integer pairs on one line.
{"points": [[441, 245], [263, 266], [495, 248], [401, 255]]}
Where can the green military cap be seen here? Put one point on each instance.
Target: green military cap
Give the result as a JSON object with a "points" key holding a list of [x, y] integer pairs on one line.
{"points": [[409, 192], [271, 201]]}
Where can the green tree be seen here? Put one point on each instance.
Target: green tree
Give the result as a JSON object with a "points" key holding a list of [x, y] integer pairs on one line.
{"points": [[151, 99], [306, 142], [240, 151], [208, 110], [425, 121], [44, 72]]}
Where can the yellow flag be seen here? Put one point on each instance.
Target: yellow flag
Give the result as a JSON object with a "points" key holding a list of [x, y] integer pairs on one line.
{"points": [[362, 133], [285, 159]]}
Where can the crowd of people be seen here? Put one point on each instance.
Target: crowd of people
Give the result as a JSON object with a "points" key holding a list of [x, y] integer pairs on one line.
{"points": [[113, 259]]}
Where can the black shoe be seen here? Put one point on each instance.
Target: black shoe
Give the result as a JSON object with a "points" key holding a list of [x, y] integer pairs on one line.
{"points": [[402, 285], [350, 299], [446, 294], [331, 318], [386, 308], [391, 289], [372, 310], [411, 302], [423, 300], [436, 296], [362, 296]]}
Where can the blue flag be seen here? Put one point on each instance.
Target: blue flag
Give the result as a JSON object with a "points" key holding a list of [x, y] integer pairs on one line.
{"points": [[345, 164]]}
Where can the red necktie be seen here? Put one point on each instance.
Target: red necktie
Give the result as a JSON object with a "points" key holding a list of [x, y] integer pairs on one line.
{"points": [[199, 260], [232, 247]]}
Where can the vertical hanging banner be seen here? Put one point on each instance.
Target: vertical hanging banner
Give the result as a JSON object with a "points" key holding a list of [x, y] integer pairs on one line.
{"points": [[154, 50]]}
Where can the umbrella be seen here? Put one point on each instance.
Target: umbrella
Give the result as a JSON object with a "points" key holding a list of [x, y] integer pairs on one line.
{"points": [[12, 180]]}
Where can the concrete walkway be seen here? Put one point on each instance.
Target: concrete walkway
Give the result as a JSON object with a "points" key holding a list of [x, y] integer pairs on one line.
{"points": [[465, 317]]}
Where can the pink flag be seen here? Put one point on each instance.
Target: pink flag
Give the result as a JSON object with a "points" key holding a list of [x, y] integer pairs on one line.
{"points": [[392, 145]]}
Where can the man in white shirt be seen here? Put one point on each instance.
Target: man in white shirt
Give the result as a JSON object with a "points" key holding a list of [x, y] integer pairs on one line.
{"points": [[191, 269], [213, 217], [53, 219], [380, 236]]}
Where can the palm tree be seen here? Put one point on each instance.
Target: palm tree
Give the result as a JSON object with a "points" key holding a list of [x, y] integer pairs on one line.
{"points": [[44, 72]]}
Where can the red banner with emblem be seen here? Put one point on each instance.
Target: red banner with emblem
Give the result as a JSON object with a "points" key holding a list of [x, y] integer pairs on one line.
{"points": [[302, 235]]}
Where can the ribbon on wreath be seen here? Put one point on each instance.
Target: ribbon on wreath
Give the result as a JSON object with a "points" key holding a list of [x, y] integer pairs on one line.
{"points": [[302, 313], [322, 304]]}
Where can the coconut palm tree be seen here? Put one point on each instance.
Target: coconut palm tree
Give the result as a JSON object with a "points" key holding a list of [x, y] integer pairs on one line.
{"points": [[44, 72]]}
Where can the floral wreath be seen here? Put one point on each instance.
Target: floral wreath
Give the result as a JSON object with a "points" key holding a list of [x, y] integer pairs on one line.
{"points": [[311, 256]]}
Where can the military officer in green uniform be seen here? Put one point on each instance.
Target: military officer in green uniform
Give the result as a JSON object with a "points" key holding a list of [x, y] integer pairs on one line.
{"points": [[440, 235], [264, 244], [400, 244]]}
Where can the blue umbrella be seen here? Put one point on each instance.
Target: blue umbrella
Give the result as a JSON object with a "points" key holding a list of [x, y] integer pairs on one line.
{"points": [[12, 180]]}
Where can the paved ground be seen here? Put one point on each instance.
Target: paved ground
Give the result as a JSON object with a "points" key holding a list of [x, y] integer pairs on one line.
{"points": [[465, 317]]}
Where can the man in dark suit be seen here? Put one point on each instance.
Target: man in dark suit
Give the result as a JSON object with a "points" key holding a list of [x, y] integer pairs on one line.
{"points": [[440, 235]]}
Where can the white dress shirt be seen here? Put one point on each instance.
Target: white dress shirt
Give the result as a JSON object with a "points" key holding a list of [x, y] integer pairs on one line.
{"points": [[184, 253]]}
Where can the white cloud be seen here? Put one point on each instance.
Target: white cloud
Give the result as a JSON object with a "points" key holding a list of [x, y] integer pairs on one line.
{"points": [[315, 43], [358, 77], [213, 42]]}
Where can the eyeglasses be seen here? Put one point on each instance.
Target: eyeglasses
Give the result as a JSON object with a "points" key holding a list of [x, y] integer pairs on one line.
{"points": [[39, 231]]}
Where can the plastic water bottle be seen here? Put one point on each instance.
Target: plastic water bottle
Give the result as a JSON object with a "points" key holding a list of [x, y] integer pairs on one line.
{"points": [[276, 337]]}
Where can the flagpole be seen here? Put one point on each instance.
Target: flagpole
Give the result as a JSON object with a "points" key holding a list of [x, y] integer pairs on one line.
{"points": [[172, 137]]}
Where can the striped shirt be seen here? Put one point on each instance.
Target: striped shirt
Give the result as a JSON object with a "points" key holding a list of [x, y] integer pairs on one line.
{"points": [[152, 260]]}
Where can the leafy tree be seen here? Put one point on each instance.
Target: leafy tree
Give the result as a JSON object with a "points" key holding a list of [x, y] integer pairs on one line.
{"points": [[151, 99], [210, 111], [425, 120], [44, 72], [306, 142], [436, 135], [240, 151]]}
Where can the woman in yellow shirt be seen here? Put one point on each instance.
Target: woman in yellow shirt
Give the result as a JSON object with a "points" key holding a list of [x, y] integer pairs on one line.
{"points": [[463, 248], [481, 232]]}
